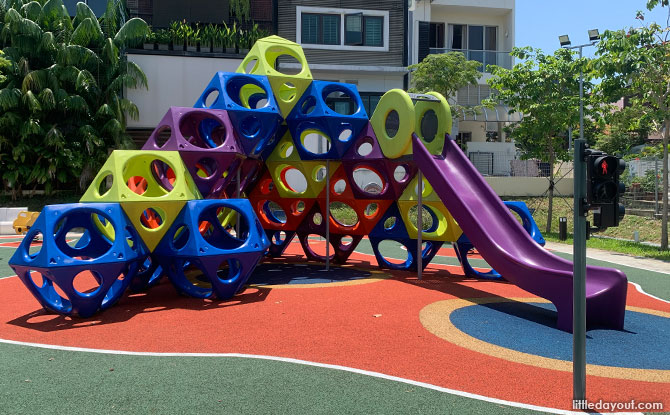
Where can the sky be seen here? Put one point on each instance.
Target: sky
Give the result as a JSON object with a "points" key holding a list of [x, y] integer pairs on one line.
{"points": [[540, 22]]}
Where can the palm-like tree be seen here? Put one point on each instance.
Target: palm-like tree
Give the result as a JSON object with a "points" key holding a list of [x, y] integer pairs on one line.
{"points": [[61, 102]]}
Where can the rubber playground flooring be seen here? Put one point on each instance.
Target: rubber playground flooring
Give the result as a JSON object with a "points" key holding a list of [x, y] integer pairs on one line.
{"points": [[354, 340]]}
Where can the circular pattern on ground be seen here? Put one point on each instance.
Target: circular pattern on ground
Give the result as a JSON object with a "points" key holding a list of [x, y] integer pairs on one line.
{"points": [[523, 330]]}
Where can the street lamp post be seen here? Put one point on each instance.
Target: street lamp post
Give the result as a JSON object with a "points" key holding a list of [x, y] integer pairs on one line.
{"points": [[579, 237]]}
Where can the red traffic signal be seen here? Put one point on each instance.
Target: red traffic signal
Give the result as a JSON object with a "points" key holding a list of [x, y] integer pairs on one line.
{"points": [[608, 166]]}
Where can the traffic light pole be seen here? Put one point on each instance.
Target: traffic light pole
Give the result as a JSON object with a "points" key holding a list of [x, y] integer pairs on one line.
{"points": [[579, 275]]}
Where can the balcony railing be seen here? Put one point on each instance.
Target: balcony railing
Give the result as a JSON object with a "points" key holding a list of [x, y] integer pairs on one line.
{"points": [[486, 57]]}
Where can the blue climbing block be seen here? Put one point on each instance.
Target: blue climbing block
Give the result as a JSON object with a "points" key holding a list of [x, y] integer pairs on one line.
{"points": [[149, 273], [279, 241], [251, 106], [106, 257], [212, 247], [339, 125], [463, 246], [527, 220], [391, 225], [411, 245]]}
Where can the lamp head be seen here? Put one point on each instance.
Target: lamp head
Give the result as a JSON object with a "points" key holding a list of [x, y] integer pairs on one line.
{"points": [[564, 40], [594, 35]]}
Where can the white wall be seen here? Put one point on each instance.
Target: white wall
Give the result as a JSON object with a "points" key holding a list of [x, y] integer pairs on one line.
{"points": [[528, 186], [173, 81], [374, 82]]}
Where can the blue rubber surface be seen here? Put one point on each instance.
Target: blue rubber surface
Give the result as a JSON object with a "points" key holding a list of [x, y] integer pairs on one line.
{"points": [[530, 328]]}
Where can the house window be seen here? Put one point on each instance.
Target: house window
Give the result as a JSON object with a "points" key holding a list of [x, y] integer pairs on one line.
{"points": [[436, 37], [370, 101], [480, 43], [346, 29], [320, 29]]}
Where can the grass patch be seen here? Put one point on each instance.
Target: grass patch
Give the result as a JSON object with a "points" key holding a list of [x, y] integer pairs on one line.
{"points": [[615, 245]]}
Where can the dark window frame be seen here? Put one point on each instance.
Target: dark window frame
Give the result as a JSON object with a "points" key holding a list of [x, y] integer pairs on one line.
{"points": [[320, 29]]}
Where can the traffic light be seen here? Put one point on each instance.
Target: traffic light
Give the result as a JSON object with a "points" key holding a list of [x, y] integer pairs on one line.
{"points": [[604, 189]]}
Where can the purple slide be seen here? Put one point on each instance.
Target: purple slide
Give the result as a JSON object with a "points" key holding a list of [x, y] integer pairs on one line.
{"points": [[508, 248]]}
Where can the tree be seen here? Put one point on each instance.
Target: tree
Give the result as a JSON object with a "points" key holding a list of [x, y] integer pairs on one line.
{"points": [[626, 128], [634, 63], [61, 99], [445, 73], [545, 89]]}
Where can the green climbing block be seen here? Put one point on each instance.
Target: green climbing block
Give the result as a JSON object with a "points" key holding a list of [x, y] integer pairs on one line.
{"points": [[142, 176], [433, 121], [393, 122], [262, 60]]}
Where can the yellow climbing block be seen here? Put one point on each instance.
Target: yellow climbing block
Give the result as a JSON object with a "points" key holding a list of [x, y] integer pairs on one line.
{"points": [[393, 122], [307, 178], [152, 219], [433, 121]]}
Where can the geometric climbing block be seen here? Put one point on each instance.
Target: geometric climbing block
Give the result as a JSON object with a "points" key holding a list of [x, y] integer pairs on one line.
{"points": [[207, 144], [393, 121], [142, 176], [279, 241], [325, 129], [374, 176], [262, 60], [276, 212], [249, 172], [212, 247], [79, 278], [443, 226], [301, 179], [433, 121], [251, 106], [152, 219], [343, 244]]}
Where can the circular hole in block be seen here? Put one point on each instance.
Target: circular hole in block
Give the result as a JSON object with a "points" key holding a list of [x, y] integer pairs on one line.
{"points": [[317, 219], [279, 237], [130, 238], [206, 168], [339, 187], [211, 97], [319, 173], [294, 180], [180, 237], [163, 175], [315, 141], [393, 252], [308, 105], [152, 218], [195, 276], [105, 185], [368, 181], [250, 127], [87, 283], [371, 210], [288, 92], [37, 278], [364, 148], [266, 186], [343, 214], [244, 90], [77, 238], [346, 241], [202, 130], [54, 296], [401, 174], [289, 63], [339, 101], [229, 270], [298, 207], [286, 149], [257, 100], [225, 227], [138, 185], [162, 136], [429, 218], [392, 123], [34, 247], [317, 245], [251, 66], [428, 126], [273, 212], [345, 135], [390, 223]]}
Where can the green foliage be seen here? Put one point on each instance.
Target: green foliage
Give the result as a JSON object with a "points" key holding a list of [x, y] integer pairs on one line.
{"points": [[545, 89], [60, 92], [240, 10], [183, 33], [626, 128], [445, 73]]}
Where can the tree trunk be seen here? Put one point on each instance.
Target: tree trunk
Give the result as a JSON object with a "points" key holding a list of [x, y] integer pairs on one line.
{"points": [[664, 188], [551, 188]]}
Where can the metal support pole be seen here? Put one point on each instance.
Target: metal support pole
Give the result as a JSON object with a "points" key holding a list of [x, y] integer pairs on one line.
{"points": [[327, 218], [419, 227], [657, 210], [237, 196], [579, 276]]}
